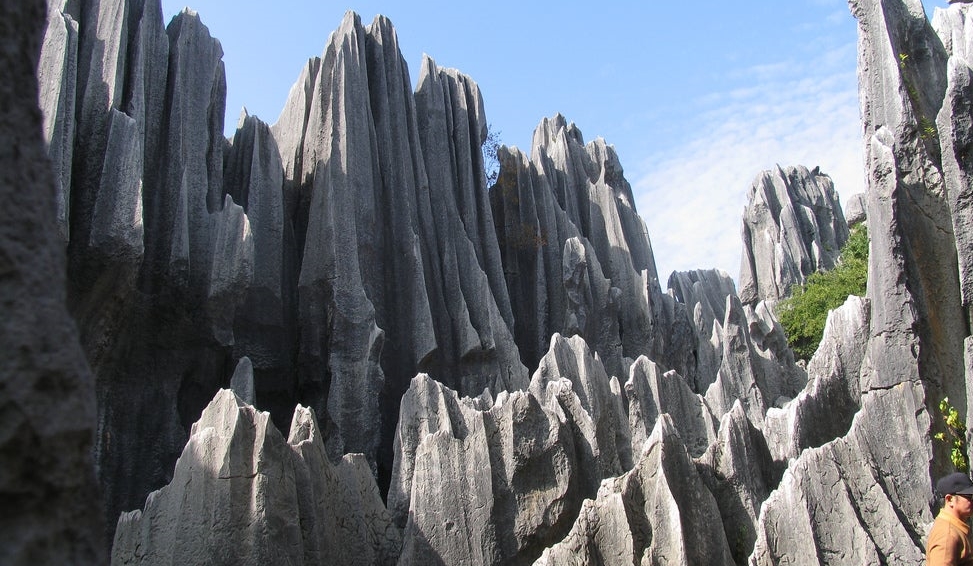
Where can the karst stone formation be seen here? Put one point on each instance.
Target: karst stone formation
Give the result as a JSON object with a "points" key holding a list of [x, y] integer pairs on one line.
{"points": [[327, 340]]}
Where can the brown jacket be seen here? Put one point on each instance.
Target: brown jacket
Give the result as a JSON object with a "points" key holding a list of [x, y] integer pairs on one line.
{"points": [[949, 542]]}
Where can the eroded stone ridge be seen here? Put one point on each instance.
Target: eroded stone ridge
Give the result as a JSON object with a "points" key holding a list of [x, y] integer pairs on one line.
{"points": [[242, 494], [350, 258], [792, 226]]}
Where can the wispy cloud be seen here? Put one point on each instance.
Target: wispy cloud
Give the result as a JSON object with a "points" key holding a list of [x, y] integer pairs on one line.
{"points": [[692, 194]]}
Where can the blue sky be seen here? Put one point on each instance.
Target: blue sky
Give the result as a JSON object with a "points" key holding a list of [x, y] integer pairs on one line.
{"points": [[696, 97]]}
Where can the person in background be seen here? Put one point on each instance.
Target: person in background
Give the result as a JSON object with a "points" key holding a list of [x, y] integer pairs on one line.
{"points": [[949, 539]]}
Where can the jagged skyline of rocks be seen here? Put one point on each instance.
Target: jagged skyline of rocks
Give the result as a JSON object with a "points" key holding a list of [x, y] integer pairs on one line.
{"points": [[723, 81], [507, 362]]}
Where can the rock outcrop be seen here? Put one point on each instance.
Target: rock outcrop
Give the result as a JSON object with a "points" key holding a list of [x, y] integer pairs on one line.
{"points": [[241, 494], [50, 511], [483, 481], [501, 359], [576, 254], [792, 227], [658, 512], [913, 354]]}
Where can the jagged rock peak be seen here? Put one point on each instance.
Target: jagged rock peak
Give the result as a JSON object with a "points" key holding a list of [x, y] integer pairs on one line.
{"points": [[660, 511], [547, 132], [241, 493], [569, 422], [792, 226]]}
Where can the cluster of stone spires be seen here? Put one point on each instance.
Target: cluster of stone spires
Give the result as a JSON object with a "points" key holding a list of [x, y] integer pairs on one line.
{"points": [[503, 358]]}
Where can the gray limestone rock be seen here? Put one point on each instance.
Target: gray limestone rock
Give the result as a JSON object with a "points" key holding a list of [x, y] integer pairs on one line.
{"points": [[57, 76], [532, 231], [792, 226], [658, 513], [956, 134], [468, 485], [50, 511], [185, 207], [354, 245], [116, 225], [652, 393], [737, 469], [855, 208], [263, 328], [740, 375], [341, 343], [577, 256], [361, 164], [917, 328], [865, 497], [102, 51], [495, 482], [862, 498], [704, 293], [473, 318], [240, 493], [569, 360], [824, 410], [241, 383]]}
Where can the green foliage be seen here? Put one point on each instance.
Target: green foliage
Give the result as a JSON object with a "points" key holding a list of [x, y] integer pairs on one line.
{"points": [[804, 314], [956, 439]]}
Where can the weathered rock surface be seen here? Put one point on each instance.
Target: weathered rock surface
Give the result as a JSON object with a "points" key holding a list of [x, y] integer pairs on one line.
{"points": [[330, 258], [865, 497], [50, 511], [57, 77], [747, 372], [738, 471], [660, 512], [792, 227], [823, 411], [956, 134], [577, 255], [704, 293], [652, 393], [855, 209], [479, 481], [242, 494], [862, 499], [352, 136]]}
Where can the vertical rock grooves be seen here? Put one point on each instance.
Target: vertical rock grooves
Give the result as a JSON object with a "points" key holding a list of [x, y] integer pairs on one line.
{"points": [[49, 499], [792, 227], [503, 360]]}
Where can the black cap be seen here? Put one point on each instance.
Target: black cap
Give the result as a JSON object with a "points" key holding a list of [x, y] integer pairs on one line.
{"points": [[955, 483]]}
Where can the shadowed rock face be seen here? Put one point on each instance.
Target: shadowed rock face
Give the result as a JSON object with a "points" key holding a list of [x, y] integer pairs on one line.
{"points": [[350, 259], [49, 508]]}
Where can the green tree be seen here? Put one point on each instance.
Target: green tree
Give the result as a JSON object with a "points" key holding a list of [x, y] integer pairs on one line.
{"points": [[805, 312], [491, 163]]}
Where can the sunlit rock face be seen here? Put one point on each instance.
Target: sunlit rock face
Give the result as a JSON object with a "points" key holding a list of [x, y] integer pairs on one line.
{"points": [[916, 327], [792, 226], [499, 363], [242, 494]]}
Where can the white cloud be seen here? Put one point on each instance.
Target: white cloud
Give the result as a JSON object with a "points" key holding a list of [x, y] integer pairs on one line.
{"points": [[692, 194]]}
